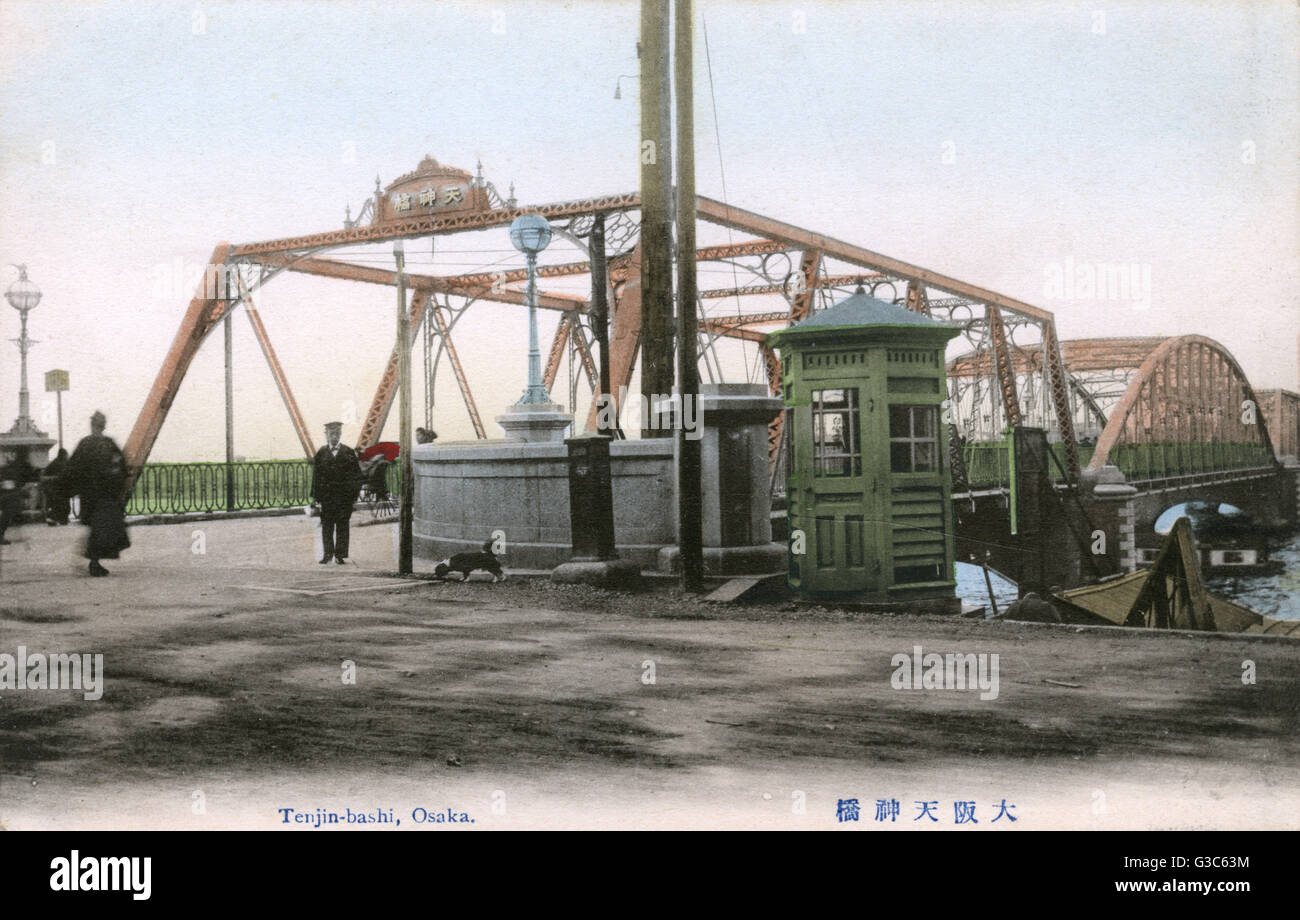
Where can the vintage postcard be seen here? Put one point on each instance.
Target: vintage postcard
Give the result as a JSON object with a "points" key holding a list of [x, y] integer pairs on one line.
{"points": [[674, 414]]}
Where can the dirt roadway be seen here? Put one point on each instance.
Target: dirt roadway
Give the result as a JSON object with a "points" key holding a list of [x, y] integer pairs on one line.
{"points": [[527, 705]]}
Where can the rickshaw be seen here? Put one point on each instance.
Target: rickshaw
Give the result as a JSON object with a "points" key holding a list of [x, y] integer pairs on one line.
{"points": [[374, 493]]}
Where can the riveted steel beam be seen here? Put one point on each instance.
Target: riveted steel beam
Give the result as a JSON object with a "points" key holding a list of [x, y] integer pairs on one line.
{"points": [[1002, 360], [731, 331], [569, 269], [558, 341], [826, 281], [515, 275], [584, 354], [625, 330], [810, 264], [743, 248], [206, 307], [434, 284], [277, 372], [433, 225], [917, 299], [1061, 398], [372, 428], [461, 380], [746, 319], [776, 427], [737, 218]]}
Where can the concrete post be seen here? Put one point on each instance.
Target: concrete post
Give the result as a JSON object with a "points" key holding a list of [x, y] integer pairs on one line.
{"points": [[735, 499], [1114, 512]]}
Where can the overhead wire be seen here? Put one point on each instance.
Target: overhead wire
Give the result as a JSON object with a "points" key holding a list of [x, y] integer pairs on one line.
{"points": [[722, 172]]}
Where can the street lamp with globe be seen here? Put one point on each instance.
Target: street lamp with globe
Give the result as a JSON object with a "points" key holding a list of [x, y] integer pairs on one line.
{"points": [[530, 234], [534, 417], [23, 296]]}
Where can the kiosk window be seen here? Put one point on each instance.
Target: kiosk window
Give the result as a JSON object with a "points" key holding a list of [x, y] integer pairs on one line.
{"points": [[913, 442], [837, 447]]}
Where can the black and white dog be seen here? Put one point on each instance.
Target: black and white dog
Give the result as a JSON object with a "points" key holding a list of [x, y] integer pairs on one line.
{"points": [[471, 562]]}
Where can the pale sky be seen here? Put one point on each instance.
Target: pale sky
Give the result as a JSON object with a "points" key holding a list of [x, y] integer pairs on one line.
{"points": [[990, 141]]}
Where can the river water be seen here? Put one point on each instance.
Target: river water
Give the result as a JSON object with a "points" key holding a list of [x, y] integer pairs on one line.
{"points": [[972, 589], [1272, 595]]}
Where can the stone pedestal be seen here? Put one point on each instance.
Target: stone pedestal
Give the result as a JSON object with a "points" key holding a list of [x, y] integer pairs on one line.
{"points": [[1110, 498], [29, 440], [736, 491], [533, 422], [26, 438], [466, 492]]}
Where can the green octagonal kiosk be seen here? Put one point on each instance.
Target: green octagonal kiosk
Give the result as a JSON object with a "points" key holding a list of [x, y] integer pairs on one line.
{"points": [[868, 488]]}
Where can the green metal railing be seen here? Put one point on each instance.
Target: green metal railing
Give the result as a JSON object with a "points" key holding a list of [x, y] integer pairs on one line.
{"points": [[987, 461], [1163, 460], [176, 488]]}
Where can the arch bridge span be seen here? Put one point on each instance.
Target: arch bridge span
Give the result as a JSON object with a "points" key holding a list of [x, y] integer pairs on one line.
{"points": [[1187, 409], [1156, 408]]}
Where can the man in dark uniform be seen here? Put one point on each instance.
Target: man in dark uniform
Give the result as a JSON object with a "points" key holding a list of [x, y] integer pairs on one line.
{"points": [[97, 472], [335, 482]]}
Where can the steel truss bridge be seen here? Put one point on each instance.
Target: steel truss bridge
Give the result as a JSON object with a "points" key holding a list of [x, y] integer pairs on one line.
{"points": [[1154, 405], [1158, 408]]}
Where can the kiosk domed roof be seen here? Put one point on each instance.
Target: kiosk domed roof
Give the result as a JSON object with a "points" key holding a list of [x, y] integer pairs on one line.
{"points": [[861, 309], [862, 317]]}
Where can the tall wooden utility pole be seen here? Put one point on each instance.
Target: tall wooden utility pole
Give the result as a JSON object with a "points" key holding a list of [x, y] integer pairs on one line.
{"points": [[690, 536], [405, 553], [600, 322], [656, 209]]}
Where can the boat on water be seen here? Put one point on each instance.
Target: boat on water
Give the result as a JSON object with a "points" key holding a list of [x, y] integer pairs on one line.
{"points": [[1227, 540], [1169, 595]]}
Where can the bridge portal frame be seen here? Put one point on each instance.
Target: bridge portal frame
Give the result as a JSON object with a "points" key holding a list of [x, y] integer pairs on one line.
{"points": [[253, 265]]}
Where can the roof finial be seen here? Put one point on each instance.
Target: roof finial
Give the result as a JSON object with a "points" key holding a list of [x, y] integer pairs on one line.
{"points": [[859, 289]]}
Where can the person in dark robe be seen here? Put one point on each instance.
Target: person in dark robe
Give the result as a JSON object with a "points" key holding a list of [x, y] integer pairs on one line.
{"points": [[97, 472], [336, 481], [56, 502]]}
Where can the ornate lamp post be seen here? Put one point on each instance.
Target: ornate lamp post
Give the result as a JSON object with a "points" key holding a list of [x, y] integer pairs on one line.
{"points": [[24, 439], [530, 234], [23, 296], [534, 417]]}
